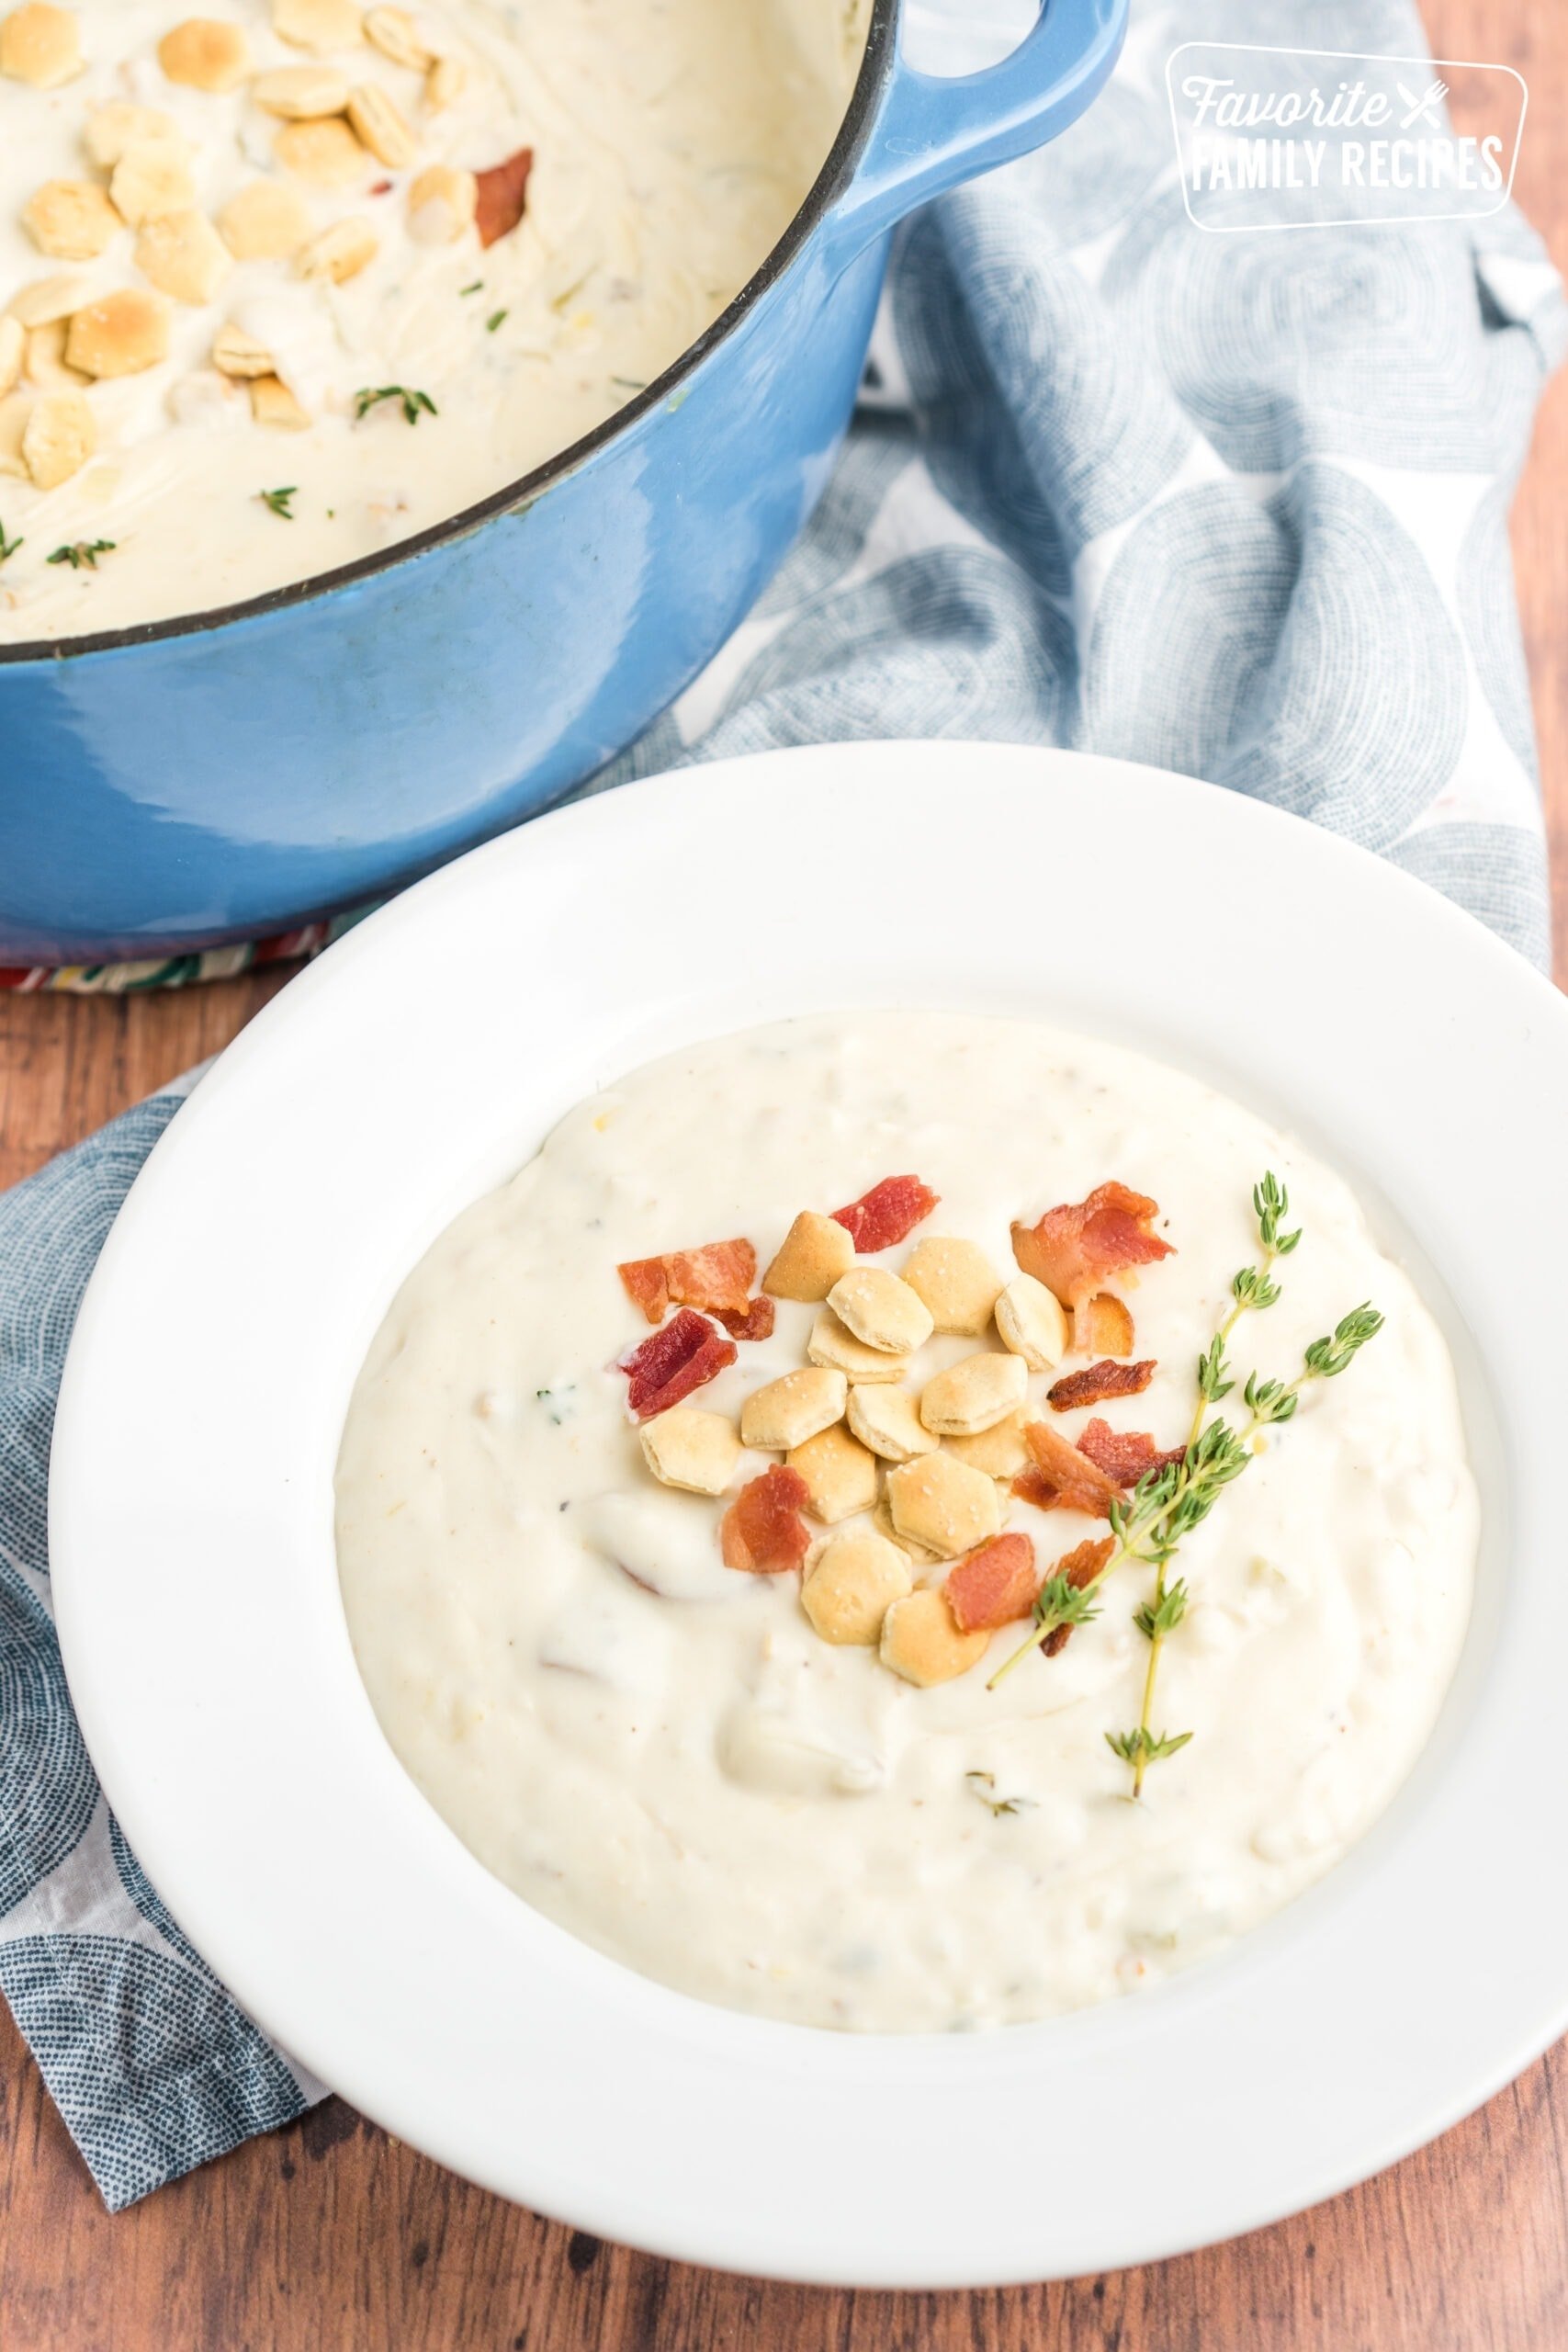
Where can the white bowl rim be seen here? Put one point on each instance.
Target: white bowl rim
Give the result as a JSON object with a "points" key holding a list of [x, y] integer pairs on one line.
{"points": [[203, 1634]]}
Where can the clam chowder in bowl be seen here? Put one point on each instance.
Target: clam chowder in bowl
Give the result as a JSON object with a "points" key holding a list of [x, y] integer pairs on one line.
{"points": [[906, 1521]]}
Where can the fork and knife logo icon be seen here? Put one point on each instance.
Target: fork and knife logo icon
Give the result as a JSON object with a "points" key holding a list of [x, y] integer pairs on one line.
{"points": [[1423, 109]]}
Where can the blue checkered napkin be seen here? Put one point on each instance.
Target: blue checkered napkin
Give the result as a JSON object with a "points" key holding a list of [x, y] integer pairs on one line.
{"points": [[149, 2060]]}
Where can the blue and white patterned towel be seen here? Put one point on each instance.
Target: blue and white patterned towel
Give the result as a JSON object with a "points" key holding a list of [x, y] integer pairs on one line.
{"points": [[1229, 504]]}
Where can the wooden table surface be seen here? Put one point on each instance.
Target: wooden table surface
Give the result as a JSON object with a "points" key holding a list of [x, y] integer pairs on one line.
{"points": [[330, 2234]]}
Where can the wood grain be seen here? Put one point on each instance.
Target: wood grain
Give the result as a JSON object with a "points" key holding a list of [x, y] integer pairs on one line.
{"points": [[330, 2234]]}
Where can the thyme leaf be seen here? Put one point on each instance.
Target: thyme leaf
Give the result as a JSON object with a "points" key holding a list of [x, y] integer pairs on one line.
{"points": [[1158, 1618], [7, 547], [1142, 1746], [1253, 1288], [1327, 1359], [80, 552], [279, 500], [1271, 1202], [1061, 1603], [1213, 1380]]}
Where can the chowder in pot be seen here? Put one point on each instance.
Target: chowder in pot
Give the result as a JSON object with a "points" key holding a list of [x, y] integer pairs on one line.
{"points": [[288, 284]]}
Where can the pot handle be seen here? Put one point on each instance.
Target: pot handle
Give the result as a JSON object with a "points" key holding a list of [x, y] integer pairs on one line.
{"points": [[934, 130]]}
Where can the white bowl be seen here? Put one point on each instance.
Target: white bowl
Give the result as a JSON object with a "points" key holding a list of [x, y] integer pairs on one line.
{"points": [[423, 1059]]}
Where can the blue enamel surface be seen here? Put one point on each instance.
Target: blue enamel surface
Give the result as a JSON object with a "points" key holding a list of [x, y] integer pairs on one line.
{"points": [[217, 783]]}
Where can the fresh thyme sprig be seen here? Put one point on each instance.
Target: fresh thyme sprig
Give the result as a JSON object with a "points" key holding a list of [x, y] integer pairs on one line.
{"points": [[1167, 1504], [7, 547], [279, 500], [82, 551], [1061, 1603], [1163, 1508], [413, 403], [1252, 1290], [1269, 1403]]}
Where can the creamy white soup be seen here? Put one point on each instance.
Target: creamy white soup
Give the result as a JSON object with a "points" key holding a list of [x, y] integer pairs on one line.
{"points": [[287, 283], [832, 1673]]}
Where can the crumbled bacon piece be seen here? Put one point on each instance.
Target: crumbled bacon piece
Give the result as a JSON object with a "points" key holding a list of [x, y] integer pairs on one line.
{"points": [[1032, 1486], [1068, 1480], [685, 1354], [1099, 1381], [1107, 1325], [716, 1277], [994, 1585], [762, 1530], [503, 191], [1080, 1567], [754, 1321], [719, 1274], [1074, 1249], [887, 1213], [1124, 1454], [646, 1285]]}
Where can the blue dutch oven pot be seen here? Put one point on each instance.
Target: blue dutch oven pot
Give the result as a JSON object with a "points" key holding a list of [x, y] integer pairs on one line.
{"points": [[240, 770]]}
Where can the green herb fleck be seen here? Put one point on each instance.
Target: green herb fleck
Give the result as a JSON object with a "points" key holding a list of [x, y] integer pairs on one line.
{"points": [[412, 402], [7, 547], [82, 551], [982, 1783], [279, 500], [474, 288], [494, 320]]}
